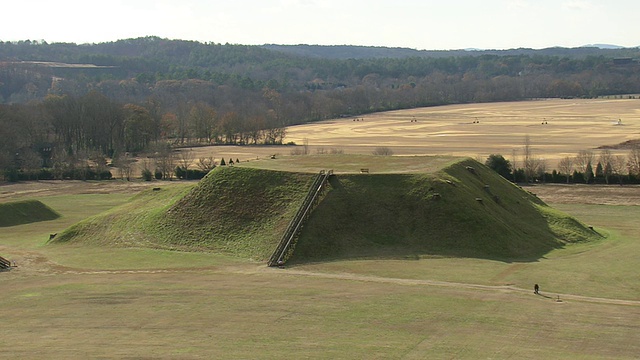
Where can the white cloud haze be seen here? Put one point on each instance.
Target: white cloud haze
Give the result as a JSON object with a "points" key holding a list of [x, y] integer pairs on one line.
{"points": [[489, 24]]}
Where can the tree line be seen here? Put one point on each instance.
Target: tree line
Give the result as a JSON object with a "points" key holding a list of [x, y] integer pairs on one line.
{"points": [[63, 132], [586, 167]]}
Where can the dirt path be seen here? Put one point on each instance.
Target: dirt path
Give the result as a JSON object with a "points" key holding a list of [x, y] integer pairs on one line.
{"points": [[34, 264], [414, 282]]}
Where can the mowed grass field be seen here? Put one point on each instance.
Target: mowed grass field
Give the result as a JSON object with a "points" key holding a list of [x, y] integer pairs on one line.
{"points": [[78, 301]]}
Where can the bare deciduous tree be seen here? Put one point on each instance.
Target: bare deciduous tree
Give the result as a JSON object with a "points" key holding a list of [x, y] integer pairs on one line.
{"points": [[166, 161], [124, 163], [206, 164], [529, 161], [305, 146], [514, 163], [565, 167], [186, 158], [541, 169], [583, 158], [633, 161], [618, 167]]}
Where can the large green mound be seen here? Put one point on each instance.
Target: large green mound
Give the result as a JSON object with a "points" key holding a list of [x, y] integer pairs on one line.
{"points": [[465, 209], [25, 212], [461, 208]]}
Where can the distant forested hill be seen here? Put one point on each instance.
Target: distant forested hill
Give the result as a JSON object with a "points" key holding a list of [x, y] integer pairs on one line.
{"points": [[146, 64], [129, 95], [26, 72], [371, 52]]}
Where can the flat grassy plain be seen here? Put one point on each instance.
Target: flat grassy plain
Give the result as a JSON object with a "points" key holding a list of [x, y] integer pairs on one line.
{"points": [[474, 130], [77, 301]]}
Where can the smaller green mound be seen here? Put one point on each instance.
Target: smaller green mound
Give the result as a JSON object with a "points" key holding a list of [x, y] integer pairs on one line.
{"points": [[133, 224], [25, 212]]}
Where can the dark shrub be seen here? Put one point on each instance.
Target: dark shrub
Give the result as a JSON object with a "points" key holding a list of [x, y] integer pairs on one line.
{"points": [[180, 174], [12, 175], [195, 174], [147, 175], [500, 165], [45, 174], [105, 175]]}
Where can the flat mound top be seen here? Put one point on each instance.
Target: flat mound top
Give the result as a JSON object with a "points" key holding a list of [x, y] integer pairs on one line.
{"points": [[354, 163]]}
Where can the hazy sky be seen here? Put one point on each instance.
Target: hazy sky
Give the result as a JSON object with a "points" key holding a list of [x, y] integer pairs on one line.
{"points": [[418, 24]]}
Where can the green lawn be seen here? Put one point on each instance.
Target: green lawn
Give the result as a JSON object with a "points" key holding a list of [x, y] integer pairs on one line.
{"points": [[143, 303], [604, 268]]}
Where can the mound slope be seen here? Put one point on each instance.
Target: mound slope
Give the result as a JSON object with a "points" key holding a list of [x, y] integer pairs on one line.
{"points": [[25, 212], [465, 209], [236, 211], [239, 211], [244, 211]]}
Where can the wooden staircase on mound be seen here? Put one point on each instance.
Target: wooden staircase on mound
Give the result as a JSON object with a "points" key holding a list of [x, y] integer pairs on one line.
{"points": [[4, 263], [290, 235]]}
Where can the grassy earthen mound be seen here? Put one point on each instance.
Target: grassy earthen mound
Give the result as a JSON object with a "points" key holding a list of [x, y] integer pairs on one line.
{"points": [[462, 209], [465, 209]]}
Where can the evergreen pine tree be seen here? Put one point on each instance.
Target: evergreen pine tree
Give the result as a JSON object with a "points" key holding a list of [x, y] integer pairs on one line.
{"points": [[588, 174], [599, 170]]}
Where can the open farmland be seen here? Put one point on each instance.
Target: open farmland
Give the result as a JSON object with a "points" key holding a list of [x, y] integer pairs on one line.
{"points": [[483, 129], [475, 130]]}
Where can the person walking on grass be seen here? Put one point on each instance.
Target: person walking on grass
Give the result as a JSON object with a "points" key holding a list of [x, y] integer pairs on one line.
{"points": [[536, 289]]}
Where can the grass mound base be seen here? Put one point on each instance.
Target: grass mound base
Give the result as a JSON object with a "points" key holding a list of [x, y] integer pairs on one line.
{"points": [[25, 212]]}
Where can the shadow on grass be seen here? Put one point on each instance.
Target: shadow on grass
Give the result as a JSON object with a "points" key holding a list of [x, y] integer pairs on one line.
{"points": [[407, 256], [544, 296]]}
